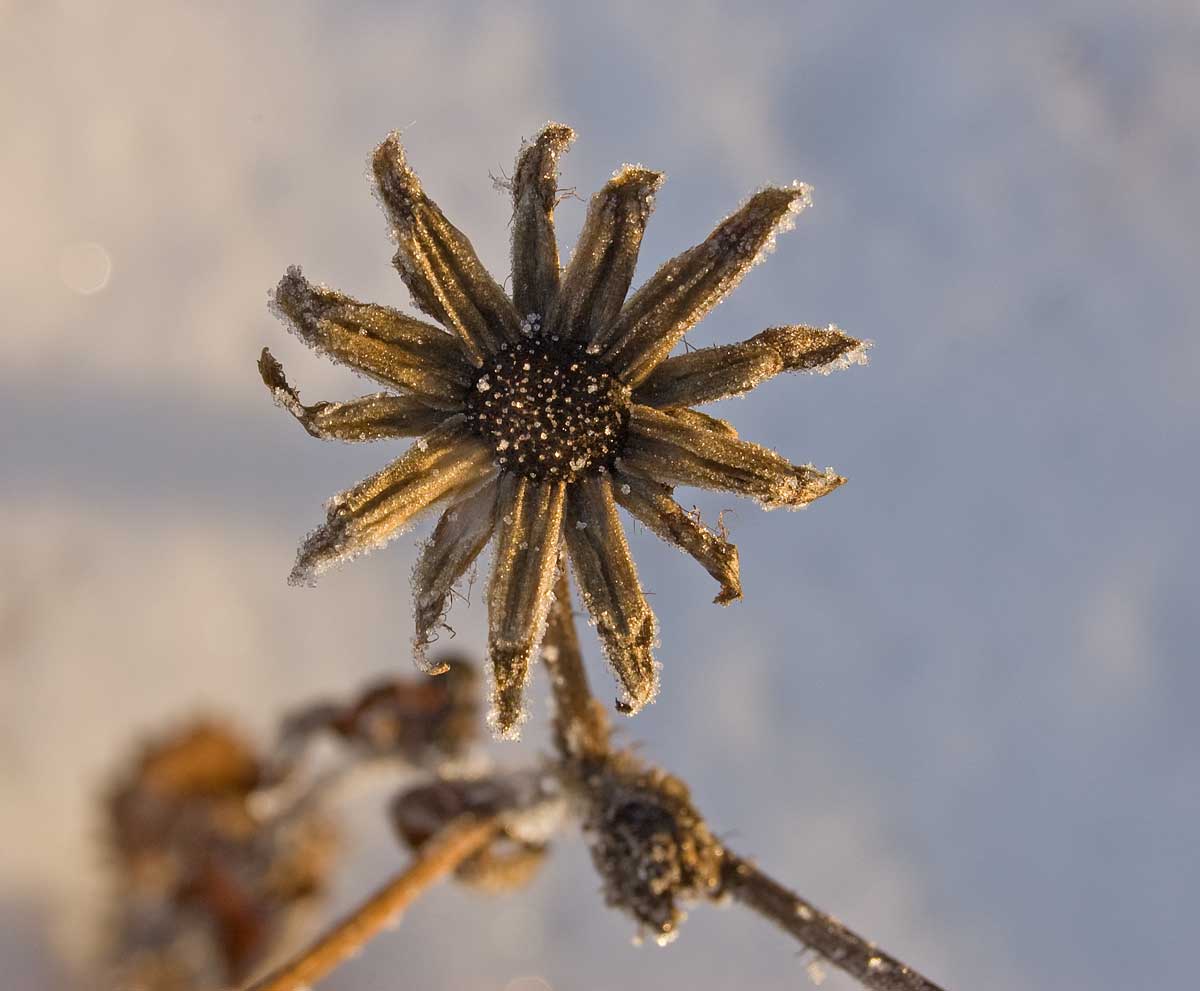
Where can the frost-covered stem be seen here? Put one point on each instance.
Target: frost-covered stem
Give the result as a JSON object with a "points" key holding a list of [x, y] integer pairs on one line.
{"points": [[819, 932], [580, 723], [441, 855]]}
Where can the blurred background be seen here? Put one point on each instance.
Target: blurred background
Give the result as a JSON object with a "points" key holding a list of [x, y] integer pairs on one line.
{"points": [[957, 706]]}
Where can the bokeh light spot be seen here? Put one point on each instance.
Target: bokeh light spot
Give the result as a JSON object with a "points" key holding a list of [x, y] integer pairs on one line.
{"points": [[85, 267]]}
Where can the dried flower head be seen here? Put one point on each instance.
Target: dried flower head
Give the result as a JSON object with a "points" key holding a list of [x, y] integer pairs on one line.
{"points": [[648, 842], [206, 889], [538, 414]]}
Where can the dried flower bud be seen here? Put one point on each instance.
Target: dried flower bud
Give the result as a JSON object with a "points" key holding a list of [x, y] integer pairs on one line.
{"points": [[422, 719], [650, 845], [530, 806], [206, 891]]}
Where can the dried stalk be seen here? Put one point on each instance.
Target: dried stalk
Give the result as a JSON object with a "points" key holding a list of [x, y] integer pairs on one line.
{"points": [[818, 931], [582, 734], [581, 728], [439, 857]]}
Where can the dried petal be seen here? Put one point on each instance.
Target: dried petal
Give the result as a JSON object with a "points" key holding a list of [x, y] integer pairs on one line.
{"points": [[449, 460], [526, 556], [378, 417], [383, 343], [461, 533], [610, 588], [436, 261], [601, 268], [671, 451], [652, 504], [702, 421], [811, 349], [709, 374], [535, 272], [680, 293]]}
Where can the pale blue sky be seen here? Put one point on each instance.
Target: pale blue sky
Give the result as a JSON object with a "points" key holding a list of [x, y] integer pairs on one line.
{"points": [[957, 705]]}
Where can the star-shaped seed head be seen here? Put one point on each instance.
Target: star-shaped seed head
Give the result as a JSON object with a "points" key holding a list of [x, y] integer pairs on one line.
{"points": [[538, 413]]}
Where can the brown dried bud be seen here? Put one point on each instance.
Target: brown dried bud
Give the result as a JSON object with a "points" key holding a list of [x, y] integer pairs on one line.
{"points": [[650, 845], [206, 891], [529, 804], [423, 719]]}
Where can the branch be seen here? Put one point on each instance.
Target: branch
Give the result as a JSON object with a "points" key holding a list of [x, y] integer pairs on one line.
{"points": [[458, 841], [819, 932]]}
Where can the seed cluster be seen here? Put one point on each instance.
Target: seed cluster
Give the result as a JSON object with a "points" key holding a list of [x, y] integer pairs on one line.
{"points": [[650, 845], [549, 410]]}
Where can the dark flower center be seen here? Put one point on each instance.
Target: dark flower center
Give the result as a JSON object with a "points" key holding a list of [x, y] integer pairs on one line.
{"points": [[549, 410]]}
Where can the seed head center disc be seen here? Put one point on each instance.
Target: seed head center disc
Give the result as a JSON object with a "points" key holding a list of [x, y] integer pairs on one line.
{"points": [[549, 410]]}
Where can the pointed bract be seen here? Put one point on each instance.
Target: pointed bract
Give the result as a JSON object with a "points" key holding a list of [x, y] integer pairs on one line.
{"points": [[813, 349], [462, 532], [651, 503], [683, 291], [601, 268], [392, 348], [535, 272], [523, 567], [436, 261], [710, 374], [446, 461], [671, 451], [702, 421], [608, 582], [707, 375], [378, 417]]}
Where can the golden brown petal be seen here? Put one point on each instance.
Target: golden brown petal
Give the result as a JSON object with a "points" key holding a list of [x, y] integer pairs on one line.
{"points": [[436, 261], [461, 533], [535, 271], [610, 588], [813, 349], [378, 417], [526, 557], [709, 374], [387, 345], [702, 420], [449, 460], [651, 503], [680, 293], [601, 268], [676, 452]]}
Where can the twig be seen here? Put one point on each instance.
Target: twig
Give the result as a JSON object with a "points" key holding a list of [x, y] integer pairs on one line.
{"points": [[581, 727], [458, 841], [818, 931]]}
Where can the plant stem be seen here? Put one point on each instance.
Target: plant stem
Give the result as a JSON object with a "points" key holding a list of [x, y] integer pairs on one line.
{"points": [[581, 727], [818, 931], [441, 855]]}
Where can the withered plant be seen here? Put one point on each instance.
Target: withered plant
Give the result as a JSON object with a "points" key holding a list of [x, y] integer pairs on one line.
{"points": [[536, 414]]}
